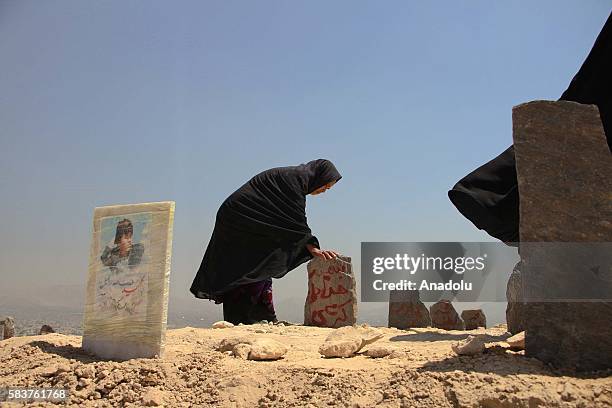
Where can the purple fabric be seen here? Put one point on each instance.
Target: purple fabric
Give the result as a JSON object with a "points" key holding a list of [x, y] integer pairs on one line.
{"points": [[258, 292]]}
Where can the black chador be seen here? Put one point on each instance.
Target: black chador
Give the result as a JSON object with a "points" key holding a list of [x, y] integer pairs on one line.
{"points": [[488, 196], [261, 230]]}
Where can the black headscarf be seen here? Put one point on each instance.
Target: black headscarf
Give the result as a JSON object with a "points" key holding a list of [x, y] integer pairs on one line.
{"points": [[261, 230], [488, 196]]}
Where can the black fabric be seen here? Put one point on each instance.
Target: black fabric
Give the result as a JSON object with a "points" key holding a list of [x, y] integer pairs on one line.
{"points": [[261, 230], [488, 196], [245, 312]]}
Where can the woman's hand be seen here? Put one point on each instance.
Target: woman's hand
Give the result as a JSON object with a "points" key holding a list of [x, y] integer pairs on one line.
{"points": [[322, 253]]}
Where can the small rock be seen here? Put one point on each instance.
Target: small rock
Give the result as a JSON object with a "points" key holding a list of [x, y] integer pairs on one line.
{"points": [[267, 349], [242, 351], [471, 346], [46, 329], [153, 398], [346, 341], [222, 324], [340, 348], [256, 348], [517, 342], [63, 368], [87, 371], [379, 351], [229, 343]]}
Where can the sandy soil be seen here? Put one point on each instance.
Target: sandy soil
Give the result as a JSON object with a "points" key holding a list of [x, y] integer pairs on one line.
{"points": [[422, 372]]}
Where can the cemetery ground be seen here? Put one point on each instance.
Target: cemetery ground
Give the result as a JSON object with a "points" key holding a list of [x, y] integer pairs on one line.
{"points": [[421, 371]]}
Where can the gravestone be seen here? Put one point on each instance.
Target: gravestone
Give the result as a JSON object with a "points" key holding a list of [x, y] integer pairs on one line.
{"points": [[406, 310], [515, 309], [8, 328], [332, 296], [564, 166], [127, 288], [444, 316], [473, 319]]}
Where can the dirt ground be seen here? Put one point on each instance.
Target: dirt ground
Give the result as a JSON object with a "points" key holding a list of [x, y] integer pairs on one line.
{"points": [[422, 372]]}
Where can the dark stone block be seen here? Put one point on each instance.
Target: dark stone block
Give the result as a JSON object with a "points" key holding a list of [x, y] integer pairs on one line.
{"points": [[564, 170]]}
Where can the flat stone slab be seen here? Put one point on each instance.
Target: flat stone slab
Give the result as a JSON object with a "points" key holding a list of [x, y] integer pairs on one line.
{"points": [[126, 304], [564, 169], [332, 296]]}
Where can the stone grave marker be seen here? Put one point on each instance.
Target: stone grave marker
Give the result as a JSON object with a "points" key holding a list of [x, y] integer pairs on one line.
{"points": [[473, 319], [564, 169], [406, 310], [444, 316], [332, 296], [127, 288]]}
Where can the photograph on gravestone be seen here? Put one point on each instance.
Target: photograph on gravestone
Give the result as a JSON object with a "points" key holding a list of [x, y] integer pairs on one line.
{"points": [[128, 280]]}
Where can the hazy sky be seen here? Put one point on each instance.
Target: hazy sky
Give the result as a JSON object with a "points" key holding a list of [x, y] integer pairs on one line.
{"points": [[114, 102]]}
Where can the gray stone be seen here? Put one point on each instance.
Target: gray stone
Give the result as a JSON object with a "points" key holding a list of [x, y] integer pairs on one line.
{"points": [[332, 295], [473, 319], [515, 309], [9, 327], [406, 310], [563, 168], [46, 329], [444, 316]]}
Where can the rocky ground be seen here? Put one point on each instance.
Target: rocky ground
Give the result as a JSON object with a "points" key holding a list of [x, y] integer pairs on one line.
{"points": [[422, 371]]}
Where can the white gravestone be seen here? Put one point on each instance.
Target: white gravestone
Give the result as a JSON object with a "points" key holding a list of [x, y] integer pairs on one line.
{"points": [[126, 307]]}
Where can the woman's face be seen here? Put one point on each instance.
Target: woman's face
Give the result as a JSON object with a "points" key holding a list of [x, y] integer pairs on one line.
{"points": [[323, 188]]}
